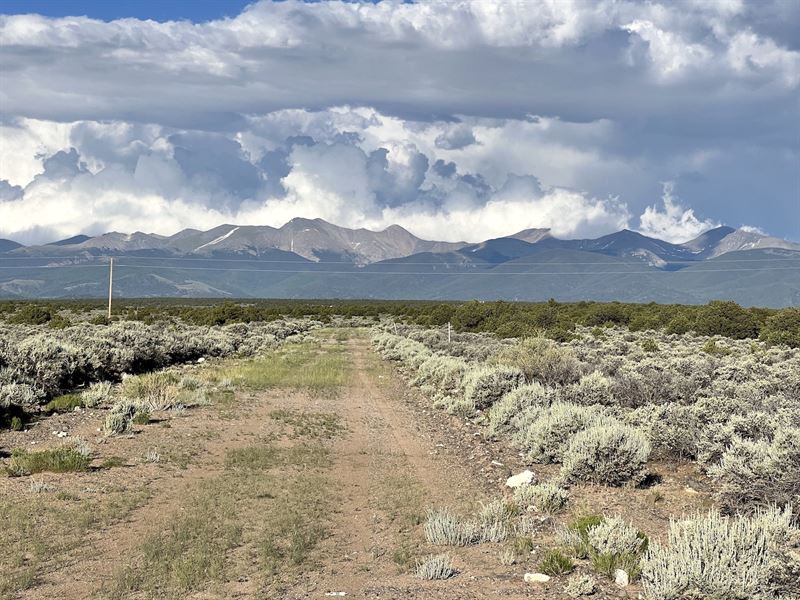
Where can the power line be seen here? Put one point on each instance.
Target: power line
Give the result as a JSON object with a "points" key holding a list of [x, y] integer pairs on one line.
{"points": [[333, 262], [442, 272]]}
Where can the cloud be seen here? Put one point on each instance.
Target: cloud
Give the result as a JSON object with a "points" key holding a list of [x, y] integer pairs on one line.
{"points": [[441, 115], [372, 177], [674, 223], [455, 138]]}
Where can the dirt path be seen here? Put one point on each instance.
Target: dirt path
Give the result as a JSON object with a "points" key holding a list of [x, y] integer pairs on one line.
{"points": [[388, 471]]}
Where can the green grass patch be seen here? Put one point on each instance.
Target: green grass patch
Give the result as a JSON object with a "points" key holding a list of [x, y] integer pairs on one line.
{"points": [[279, 518], [265, 457], [112, 462], [293, 529], [65, 403], [39, 530], [294, 366], [309, 424], [59, 460], [555, 562], [189, 552]]}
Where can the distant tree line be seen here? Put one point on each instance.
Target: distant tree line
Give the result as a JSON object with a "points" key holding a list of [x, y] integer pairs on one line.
{"points": [[507, 319]]}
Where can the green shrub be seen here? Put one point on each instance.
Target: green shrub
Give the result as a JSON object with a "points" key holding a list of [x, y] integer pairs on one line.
{"points": [[783, 328], [555, 563], [31, 314], [141, 417], [609, 454], [65, 403], [575, 535], [649, 345], [711, 347], [726, 318], [59, 460]]}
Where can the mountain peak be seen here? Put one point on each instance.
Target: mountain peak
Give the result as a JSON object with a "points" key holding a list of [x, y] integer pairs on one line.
{"points": [[532, 235]]}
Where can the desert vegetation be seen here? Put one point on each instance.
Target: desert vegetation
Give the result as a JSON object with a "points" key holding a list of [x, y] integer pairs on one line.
{"points": [[619, 458], [610, 407]]}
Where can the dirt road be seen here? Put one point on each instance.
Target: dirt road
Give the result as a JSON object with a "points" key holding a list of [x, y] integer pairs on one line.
{"points": [[389, 463]]}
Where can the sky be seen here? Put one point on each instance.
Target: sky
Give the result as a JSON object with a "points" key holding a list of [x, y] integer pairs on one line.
{"points": [[458, 120]]}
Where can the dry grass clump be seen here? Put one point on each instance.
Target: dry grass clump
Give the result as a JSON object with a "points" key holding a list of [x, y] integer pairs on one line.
{"points": [[580, 585], [438, 566], [156, 391], [491, 525], [546, 498], [443, 528], [712, 556]]}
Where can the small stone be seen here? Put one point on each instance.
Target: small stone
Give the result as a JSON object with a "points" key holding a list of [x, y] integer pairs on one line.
{"points": [[621, 578], [201, 360], [497, 463], [536, 578], [520, 479]]}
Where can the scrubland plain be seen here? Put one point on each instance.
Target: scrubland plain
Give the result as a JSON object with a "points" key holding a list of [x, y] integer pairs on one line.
{"points": [[370, 456]]}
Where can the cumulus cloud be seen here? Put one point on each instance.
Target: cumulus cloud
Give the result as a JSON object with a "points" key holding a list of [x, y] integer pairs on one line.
{"points": [[456, 119], [674, 222], [386, 172]]}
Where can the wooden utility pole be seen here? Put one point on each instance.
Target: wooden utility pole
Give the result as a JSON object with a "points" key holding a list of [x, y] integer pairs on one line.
{"points": [[448, 332], [110, 285]]}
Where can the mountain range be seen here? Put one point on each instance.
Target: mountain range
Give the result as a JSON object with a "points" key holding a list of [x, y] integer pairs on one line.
{"points": [[311, 258]]}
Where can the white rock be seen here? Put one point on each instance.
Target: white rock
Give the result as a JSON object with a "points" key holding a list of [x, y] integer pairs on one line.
{"points": [[497, 463], [520, 479], [621, 578], [536, 578], [201, 360]]}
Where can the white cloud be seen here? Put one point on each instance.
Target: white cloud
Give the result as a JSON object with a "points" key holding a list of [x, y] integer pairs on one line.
{"points": [[669, 52], [675, 223], [430, 113]]}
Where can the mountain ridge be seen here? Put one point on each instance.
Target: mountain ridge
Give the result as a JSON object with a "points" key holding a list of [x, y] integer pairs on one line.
{"points": [[321, 241], [310, 258]]}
